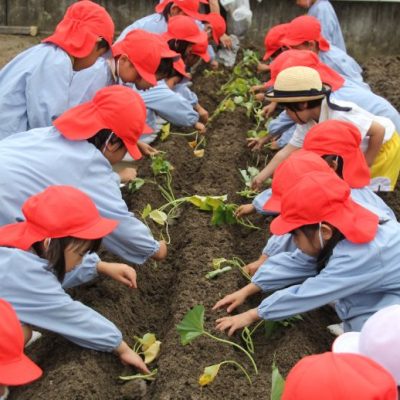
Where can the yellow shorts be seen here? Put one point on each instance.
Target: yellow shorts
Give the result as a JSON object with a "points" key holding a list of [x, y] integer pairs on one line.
{"points": [[386, 167]]}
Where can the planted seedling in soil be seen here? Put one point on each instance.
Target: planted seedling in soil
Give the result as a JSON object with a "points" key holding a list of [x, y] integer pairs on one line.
{"points": [[278, 383], [192, 327], [222, 265], [247, 175], [135, 185]]}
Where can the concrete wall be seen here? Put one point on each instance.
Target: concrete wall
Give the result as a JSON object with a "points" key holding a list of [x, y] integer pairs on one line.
{"points": [[369, 27]]}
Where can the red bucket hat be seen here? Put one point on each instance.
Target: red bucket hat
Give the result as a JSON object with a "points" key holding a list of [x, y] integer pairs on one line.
{"points": [[189, 7], [185, 28], [180, 66], [82, 25], [201, 50], [115, 107], [15, 367], [289, 172], [342, 139], [57, 212], [305, 58], [319, 197], [144, 50], [273, 39], [331, 376], [217, 23], [303, 29]]}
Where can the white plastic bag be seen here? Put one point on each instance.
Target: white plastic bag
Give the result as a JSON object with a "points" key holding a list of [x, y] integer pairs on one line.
{"points": [[240, 15]]}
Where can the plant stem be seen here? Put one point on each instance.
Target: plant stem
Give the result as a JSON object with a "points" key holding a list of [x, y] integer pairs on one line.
{"points": [[238, 365], [234, 345]]}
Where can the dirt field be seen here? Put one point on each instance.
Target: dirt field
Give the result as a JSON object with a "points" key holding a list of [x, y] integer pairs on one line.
{"points": [[167, 290]]}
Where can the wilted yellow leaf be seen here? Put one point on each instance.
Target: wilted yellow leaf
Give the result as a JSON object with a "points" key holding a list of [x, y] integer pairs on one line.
{"points": [[152, 352], [193, 144], [199, 153], [147, 340], [209, 374]]}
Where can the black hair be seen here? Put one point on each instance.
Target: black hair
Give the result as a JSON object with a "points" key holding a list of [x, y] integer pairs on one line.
{"points": [[333, 157], [103, 44], [295, 106], [327, 250], [167, 11], [166, 68], [55, 253], [101, 137], [180, 46]]}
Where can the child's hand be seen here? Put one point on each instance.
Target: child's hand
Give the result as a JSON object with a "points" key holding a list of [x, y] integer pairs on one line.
{"points": [[257, 182], [253, 267], [269, 110], [119, 272], [203, 113], [237, 322], [127, 174], [257, 88], [261, 67], [256, 144], [244, 209], [201, 128], [232, 300], [146, 149], [260, 96], [128, 356], [226, 41], [214, 65]]}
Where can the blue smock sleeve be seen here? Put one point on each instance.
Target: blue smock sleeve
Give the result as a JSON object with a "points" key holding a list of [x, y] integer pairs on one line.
{"points": [[132, 239], [85, 272], [351, 269], [280, 124], [284, 269], [170, 105], [47, 89], [184, 91], [279, 244], [39, 300], [259, 201]]}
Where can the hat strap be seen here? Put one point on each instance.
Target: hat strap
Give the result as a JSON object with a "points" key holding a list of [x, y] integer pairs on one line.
{"points": [[298, 93], [334, 106]]}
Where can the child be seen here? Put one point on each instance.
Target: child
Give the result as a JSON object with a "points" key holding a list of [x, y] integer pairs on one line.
{"points": [[346, 255], [307, 102], [15, 367], [342, 89], [34, 86], [39, 259], [304, 33], [79, 150], [273, 45], [378, 340], [330, 376], [325, 13], [135, 60], [158, 22]]}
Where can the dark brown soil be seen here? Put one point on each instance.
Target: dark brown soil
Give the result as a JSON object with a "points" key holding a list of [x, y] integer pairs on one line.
{"points": [[167, 290]]}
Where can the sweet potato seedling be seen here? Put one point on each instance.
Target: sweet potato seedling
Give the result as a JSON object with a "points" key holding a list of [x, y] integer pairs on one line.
{"points": [[222, 265], [135, 184], [148, 346], [210, 372], [192, 326], [247, 175], [278, 383]]}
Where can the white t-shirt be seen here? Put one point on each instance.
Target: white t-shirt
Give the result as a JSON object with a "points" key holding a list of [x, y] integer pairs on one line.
{"points": [[361, 118]]}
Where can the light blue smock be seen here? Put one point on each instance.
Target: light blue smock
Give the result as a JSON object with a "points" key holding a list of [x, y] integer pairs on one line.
{"points": [[363, 196], [31, 161], [40, 300], [350, 91], [360, 278], [161, 101], [34, 89], [325, 13], [343, 64]]}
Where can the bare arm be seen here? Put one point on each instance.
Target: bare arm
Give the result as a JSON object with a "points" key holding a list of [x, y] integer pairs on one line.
{"points": [[214, 6], [376, 134]]}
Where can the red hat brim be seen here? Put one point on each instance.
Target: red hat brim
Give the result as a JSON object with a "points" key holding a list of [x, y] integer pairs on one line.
{"points": [[19, 372], [200, 37], [357, 224], [273, 204]]}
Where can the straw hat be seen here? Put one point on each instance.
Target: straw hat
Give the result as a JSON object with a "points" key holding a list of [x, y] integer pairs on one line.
{"points": [[296, 84]]}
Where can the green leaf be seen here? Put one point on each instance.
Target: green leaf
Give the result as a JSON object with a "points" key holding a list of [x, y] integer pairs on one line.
{"points": [[135, 185], [238, 99], [165, 131], [159, 165], [278, 383], [192, 325], [158, 216], [217, 262], [146, 211], [207, 203]]}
